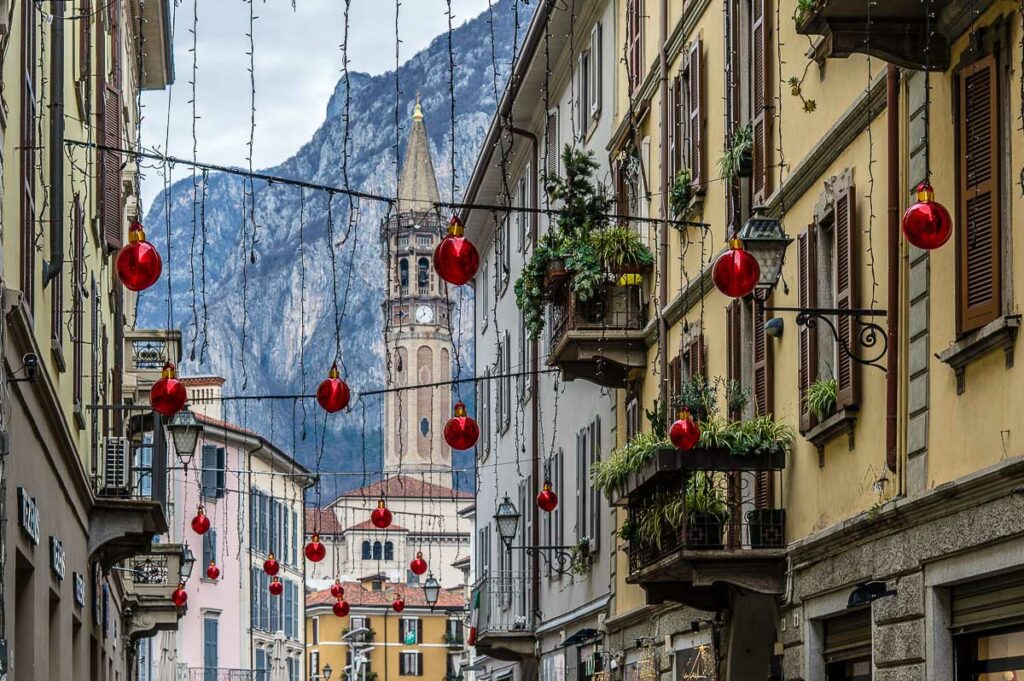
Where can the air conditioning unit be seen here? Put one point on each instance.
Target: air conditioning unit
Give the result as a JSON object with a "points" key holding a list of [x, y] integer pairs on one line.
{"points": [[116, 468]]}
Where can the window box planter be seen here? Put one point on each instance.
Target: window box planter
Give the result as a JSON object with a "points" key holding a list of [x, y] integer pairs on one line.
{"points": [[704, 531], [767, 528]]}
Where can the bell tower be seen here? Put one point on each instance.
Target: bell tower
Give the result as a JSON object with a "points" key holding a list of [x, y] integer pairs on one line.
{"points": [[417, 329]]}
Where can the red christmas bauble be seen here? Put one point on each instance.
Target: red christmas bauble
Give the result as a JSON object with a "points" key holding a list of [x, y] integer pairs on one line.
{"points": [[276, 587], [333, 394], [180, 596], [684, 433], [315, 550], [461, 431], [168, 395], [736, 271], [547, 500], [138, 263], [212, 571], [341, 608], [337, 590], [471, 639], [398, 605], [200, 524], [455, 258], [927, 224], [418, 565], [381, 516], [271, 566]]}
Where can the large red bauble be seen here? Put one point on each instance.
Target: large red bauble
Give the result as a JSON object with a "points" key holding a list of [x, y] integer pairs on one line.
{"points": [[381, 516], [315, 550], [927, 224], [547, 500], [341, 608], [418, 565], [200, 524], [461, 431], [684, 433], [212, 571], [398, 605], [180, 596], [333, 394], [736, 271], [168, 395], [455, 258], [337, 590], [138, 264], [271, 566], [276, 587]]}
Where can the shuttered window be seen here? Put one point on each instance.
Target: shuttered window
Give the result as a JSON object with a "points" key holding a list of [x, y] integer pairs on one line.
{"points": [[762, 104], [632, 418], [846, 373], [762, 351], [210, 656], [410, 664], [634, 42], [594, 86], [695, 113], [78, 300], [848, 637], [551, 144], [209, 547], [734, 349], [988, 603], [694, 358], [979, 237], [109, 100], [28, 151], [806, 338]]}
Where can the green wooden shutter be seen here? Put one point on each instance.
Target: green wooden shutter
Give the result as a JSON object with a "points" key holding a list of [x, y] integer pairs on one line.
{"points": [[209, 471]]}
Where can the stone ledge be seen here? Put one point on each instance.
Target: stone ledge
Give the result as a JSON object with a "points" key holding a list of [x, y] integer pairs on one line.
{"points": [[908, 602], [840, 422], [998, 334]]}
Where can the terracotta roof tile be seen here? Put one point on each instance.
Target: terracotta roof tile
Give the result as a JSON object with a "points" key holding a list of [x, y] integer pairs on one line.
{"points": [[358, 595], [328, 521], [217, 423], [367, 525], [399, 486]]}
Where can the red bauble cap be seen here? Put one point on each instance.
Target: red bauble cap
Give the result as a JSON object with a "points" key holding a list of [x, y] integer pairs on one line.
{"points": [[212, 571], [455, 258], [418, 565], [461, 432], [276, 587], [200, 524], [168, 396], [736, 271], [927, 224], [337, 590], [684, 433], [341, 608], [333, 394], [398, 605], [271, 566], [180, 596], [547, 500], [315, 550], [138, 263], [381, 516]]}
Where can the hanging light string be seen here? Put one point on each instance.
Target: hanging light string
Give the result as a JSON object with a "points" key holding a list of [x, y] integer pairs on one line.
{"points": [[194, 322], [871, 162], [927, 91]]}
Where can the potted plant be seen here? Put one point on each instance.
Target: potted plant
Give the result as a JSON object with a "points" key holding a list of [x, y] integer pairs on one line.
{"points": [[767, 527], [612, 474], [620, 250], [804, 8], [820, 397], [580, 559], [660, 516], [698, 395], [628, 532], [682, 193], [706, 513], [737, 161]]}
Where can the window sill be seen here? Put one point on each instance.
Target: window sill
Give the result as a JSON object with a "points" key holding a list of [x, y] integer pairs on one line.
{"points": [[57, 350], [1000, 333], [79, 415], [828, 429]]}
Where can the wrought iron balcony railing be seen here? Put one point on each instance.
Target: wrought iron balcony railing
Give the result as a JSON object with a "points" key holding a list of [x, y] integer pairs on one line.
{"points": [[220, 674], [504, 603]]}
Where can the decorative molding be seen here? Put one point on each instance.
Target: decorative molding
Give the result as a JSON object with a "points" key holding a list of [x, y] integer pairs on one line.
{"points": [[840, 422]]}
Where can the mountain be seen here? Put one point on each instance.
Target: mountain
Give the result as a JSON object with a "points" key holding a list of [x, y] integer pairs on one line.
{"points": [[270, 325]]}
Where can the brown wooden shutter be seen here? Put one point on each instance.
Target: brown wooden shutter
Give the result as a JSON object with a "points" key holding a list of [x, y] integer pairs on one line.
{"points": [[671, 128], [110, 167], [696, 362], [551, 144], [847, 374], [634, 30], [29, 154], [78, 297], [695, 67], [762, 124], [979, 238], [807, 295], [675, 377], [733, 347], [762, 389]]}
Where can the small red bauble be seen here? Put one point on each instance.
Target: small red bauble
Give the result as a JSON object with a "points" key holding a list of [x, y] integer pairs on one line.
{"points": [[927, 224], [271, 566], [138, 264], [736, 272], [337, 590], [381, 516], [547, 500], [341, 608], [684, 433], [398, 605], [180, 596], [315, 550], [168, 396], [333, 394], [200, 524], [418, 565], [455, 258], [276, 587], [212, 571], [461, 431]]}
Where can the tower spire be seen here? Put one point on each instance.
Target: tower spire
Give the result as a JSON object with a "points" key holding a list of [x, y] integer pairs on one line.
{"points": [[417, 186]]}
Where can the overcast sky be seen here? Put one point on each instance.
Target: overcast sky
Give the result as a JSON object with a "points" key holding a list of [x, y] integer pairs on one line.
{"points": [[298, 63]]}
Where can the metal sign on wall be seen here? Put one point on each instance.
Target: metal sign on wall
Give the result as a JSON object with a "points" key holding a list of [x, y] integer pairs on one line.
{"points": [[28, 515], [57, 558]]}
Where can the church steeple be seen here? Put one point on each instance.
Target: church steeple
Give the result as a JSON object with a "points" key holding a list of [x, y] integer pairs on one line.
{"points": [[417, 187]]}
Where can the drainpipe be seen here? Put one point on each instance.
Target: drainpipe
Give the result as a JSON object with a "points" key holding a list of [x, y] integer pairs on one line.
{"points": [[893, 270], [52, 267], [663, 226]]}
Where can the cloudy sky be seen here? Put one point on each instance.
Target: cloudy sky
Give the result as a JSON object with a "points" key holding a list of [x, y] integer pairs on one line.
{"points": [[298, 63]]}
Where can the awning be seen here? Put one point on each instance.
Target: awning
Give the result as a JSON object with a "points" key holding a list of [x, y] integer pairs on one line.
{"points": [[580, 637]]}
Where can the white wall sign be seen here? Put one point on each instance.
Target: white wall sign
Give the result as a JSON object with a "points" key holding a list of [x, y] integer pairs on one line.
{"points": [[28, 515], [79, 580], [57, 557]]}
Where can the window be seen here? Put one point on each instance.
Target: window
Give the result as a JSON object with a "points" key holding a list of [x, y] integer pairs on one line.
{"points": [[453, 631], [424, 240], [524, 363], [389, 550], [358, 622], [632, 418], [594, 86], [505, 382], [314, 665], [213, 471], [410, 664], [28, 149], [209, 547], [261, 665], [403, 275], [686, 117], [551, 143], [763, 107], [552, 527], [502, 255], [522, 218], [581, 100], [366, 550], [423, 275], [314, 630], [409, 631], [634, 43], [483, 402], [483, 549], [485, 305], [376, 550], [588, 450], [293, 669], [847, 647], [210, 664]]}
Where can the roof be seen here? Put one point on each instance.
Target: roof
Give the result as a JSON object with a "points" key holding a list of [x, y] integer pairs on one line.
{"points": [[368, 525], [226, 425], [404, 486], [202, 380], [328, 521], [417, 187], [265, 444], [358, 596]]}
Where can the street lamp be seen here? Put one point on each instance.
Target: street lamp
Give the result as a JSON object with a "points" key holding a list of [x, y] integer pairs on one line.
{"points": [[185, 429], [507, 519], [327, 671], [765, 239], [187, 561], [431, 590]]}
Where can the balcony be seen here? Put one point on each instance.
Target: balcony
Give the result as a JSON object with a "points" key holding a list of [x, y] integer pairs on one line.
{"points": [[704, 524], [505, 623], [146, 351], [220, 674], [149, 581], [600, 340]]}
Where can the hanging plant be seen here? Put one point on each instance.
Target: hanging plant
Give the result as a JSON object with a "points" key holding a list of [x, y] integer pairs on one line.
{"points": [[737, 161], [613, 473], [698, 395], [581, 560], [620, 250], [803, 10], [682, 193], [820, 397]]}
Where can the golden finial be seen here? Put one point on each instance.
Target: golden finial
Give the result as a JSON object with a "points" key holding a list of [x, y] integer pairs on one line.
{"points": [[417, 110]]}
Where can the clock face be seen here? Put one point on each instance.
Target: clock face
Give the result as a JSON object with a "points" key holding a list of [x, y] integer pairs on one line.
{"points": [[424, 314]]}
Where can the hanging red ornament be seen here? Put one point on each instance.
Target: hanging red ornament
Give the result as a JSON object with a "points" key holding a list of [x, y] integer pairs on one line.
{"points": [[180, 596], [333, 392], [684, 433], [212, 571], [461, 432], [200, 524], [736, 271], [315, 550], [271, 566], [471, 639], [927, 224], [455, 258], [398, 605], [418, 565], [341, 608], [547, 500], [168, 395], [381, 516], [138, 264], [276, 587], [337, 590]]}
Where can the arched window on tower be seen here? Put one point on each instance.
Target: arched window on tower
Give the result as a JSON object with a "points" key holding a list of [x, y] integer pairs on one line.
{"points": [[366, 550], [389, 551], [376, 550], [403, 274], [423, 275]]}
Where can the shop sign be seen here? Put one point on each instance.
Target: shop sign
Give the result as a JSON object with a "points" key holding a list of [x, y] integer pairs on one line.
{"points": [[79, 583], [28, 515], [57, 557]]}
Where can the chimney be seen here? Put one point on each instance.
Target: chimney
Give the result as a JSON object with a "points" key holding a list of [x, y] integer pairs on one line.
{"points": [[204, 393]]}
